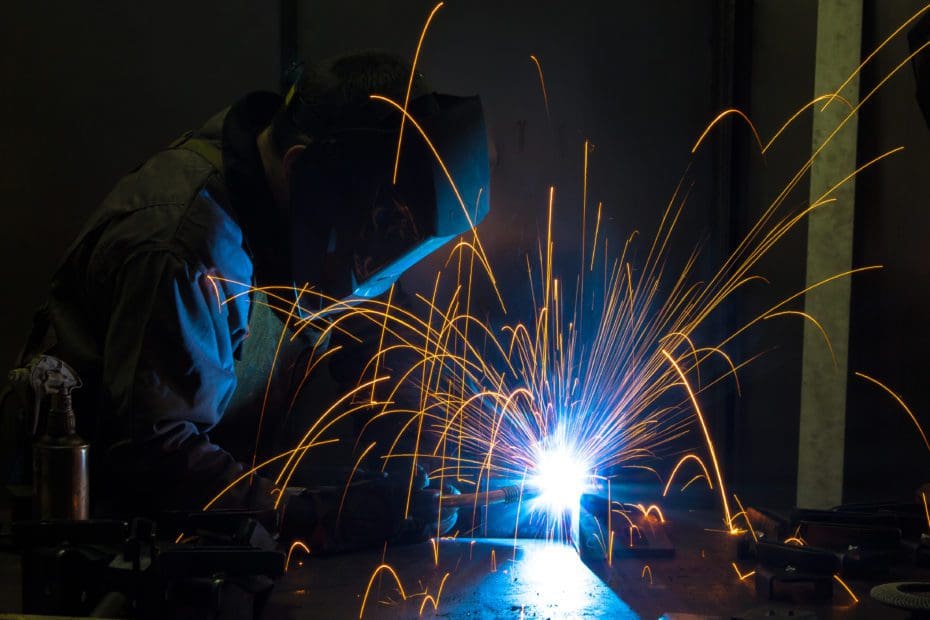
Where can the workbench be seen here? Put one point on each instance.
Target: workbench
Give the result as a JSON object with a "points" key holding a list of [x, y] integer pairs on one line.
{"points": [[504, 578], [528, 578]]}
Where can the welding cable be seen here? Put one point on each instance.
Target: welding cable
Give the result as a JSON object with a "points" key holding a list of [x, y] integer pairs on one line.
{"points": [[504, 495]]}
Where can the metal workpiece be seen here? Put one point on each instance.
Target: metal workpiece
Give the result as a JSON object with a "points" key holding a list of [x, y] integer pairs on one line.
{"points": [[487, 578]]}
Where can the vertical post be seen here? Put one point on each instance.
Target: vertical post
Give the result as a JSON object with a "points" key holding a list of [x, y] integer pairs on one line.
{"points": [[829, 251], [732, 74]]}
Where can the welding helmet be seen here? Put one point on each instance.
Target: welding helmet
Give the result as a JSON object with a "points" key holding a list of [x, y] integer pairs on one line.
{"points": [[354, 230]]}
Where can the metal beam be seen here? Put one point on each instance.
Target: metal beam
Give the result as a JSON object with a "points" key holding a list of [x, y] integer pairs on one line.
{"points": [[829, 251]]}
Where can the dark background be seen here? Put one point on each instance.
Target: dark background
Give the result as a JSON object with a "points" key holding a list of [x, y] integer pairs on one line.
{"points": [[89, 90]]}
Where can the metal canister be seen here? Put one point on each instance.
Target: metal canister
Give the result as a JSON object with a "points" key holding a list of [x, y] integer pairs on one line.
{"points": [[60, 461]]}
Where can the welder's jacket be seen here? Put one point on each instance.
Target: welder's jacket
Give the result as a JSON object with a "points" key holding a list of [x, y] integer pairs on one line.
{"points": [[152, 307]]}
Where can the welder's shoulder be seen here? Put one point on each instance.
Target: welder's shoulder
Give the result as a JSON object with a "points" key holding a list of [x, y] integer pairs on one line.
{"points": [[175, 202]]}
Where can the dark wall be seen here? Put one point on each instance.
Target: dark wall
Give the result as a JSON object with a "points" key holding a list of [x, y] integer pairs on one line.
{"points": [[885, 455], [634, 78], [777, 77], [89, 91]]}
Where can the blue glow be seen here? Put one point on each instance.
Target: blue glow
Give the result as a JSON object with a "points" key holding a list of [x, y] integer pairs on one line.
{"points": [[561, 475], [557, 579]]}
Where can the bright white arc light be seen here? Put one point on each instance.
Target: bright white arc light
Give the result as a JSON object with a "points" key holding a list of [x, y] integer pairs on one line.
{"points": [[561, 479]]}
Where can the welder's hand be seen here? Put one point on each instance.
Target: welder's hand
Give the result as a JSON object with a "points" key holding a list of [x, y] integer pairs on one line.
{"points": [[334, 519], [425, 518], [368, 512], [428, 519]]}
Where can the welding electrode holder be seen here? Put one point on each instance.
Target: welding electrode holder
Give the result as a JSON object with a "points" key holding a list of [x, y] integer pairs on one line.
{"points": [[60, 455], [504, 495]]}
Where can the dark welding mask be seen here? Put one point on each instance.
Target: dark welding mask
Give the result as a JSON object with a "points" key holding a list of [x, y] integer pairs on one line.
{"points": [[354, 231]]}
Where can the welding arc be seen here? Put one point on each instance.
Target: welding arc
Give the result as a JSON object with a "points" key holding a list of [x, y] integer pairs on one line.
{"points": [[504, 495]]}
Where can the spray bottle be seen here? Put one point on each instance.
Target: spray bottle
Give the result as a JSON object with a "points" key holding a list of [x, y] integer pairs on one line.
{"points": [[60, 456]]}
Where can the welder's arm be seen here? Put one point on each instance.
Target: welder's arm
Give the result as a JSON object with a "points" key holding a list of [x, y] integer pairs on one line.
{"points": [[357, 345], [168, 364], [366, 513]]}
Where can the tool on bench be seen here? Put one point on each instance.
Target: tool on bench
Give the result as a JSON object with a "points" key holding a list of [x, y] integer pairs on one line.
{"points": [[60, 456]]}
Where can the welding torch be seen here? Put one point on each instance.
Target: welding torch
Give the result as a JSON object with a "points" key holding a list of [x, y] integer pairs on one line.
{"points": [[504, 495]]}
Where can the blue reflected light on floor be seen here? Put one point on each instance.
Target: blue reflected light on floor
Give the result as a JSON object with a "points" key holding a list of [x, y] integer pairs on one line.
{"points": [[546, 580]]}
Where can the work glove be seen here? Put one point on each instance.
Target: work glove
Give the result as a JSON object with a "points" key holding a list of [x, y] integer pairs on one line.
{"points": [[427, 518], [367, 513]]}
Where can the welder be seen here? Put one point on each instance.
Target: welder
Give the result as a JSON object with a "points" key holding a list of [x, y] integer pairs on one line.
{"points": [[157, 304]]}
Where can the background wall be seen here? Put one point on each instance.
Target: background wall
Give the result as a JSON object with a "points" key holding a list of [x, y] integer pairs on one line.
{"points": [[775, 77], [634, 78], [89, 91]]}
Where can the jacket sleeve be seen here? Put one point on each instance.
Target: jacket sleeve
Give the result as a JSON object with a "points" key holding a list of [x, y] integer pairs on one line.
{"points": [[168, 365]]}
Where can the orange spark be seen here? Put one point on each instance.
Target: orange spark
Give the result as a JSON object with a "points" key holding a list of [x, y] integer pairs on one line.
{"points": [[693, 480], [742, 510], [803, 108], [707, 438], [742, 577], [434, 601], [901, 403], [434, 543], [371, 581], [542, 83], [681, 462], [597, 227], [355, 467], [812, 320], [295, 545], [719, 118], [216, 290], [652, 508], [847, 588], [610, 548], [413, 72]]}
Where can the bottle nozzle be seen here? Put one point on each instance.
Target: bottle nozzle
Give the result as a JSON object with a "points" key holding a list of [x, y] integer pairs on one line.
{"points": [[49, 376]]}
